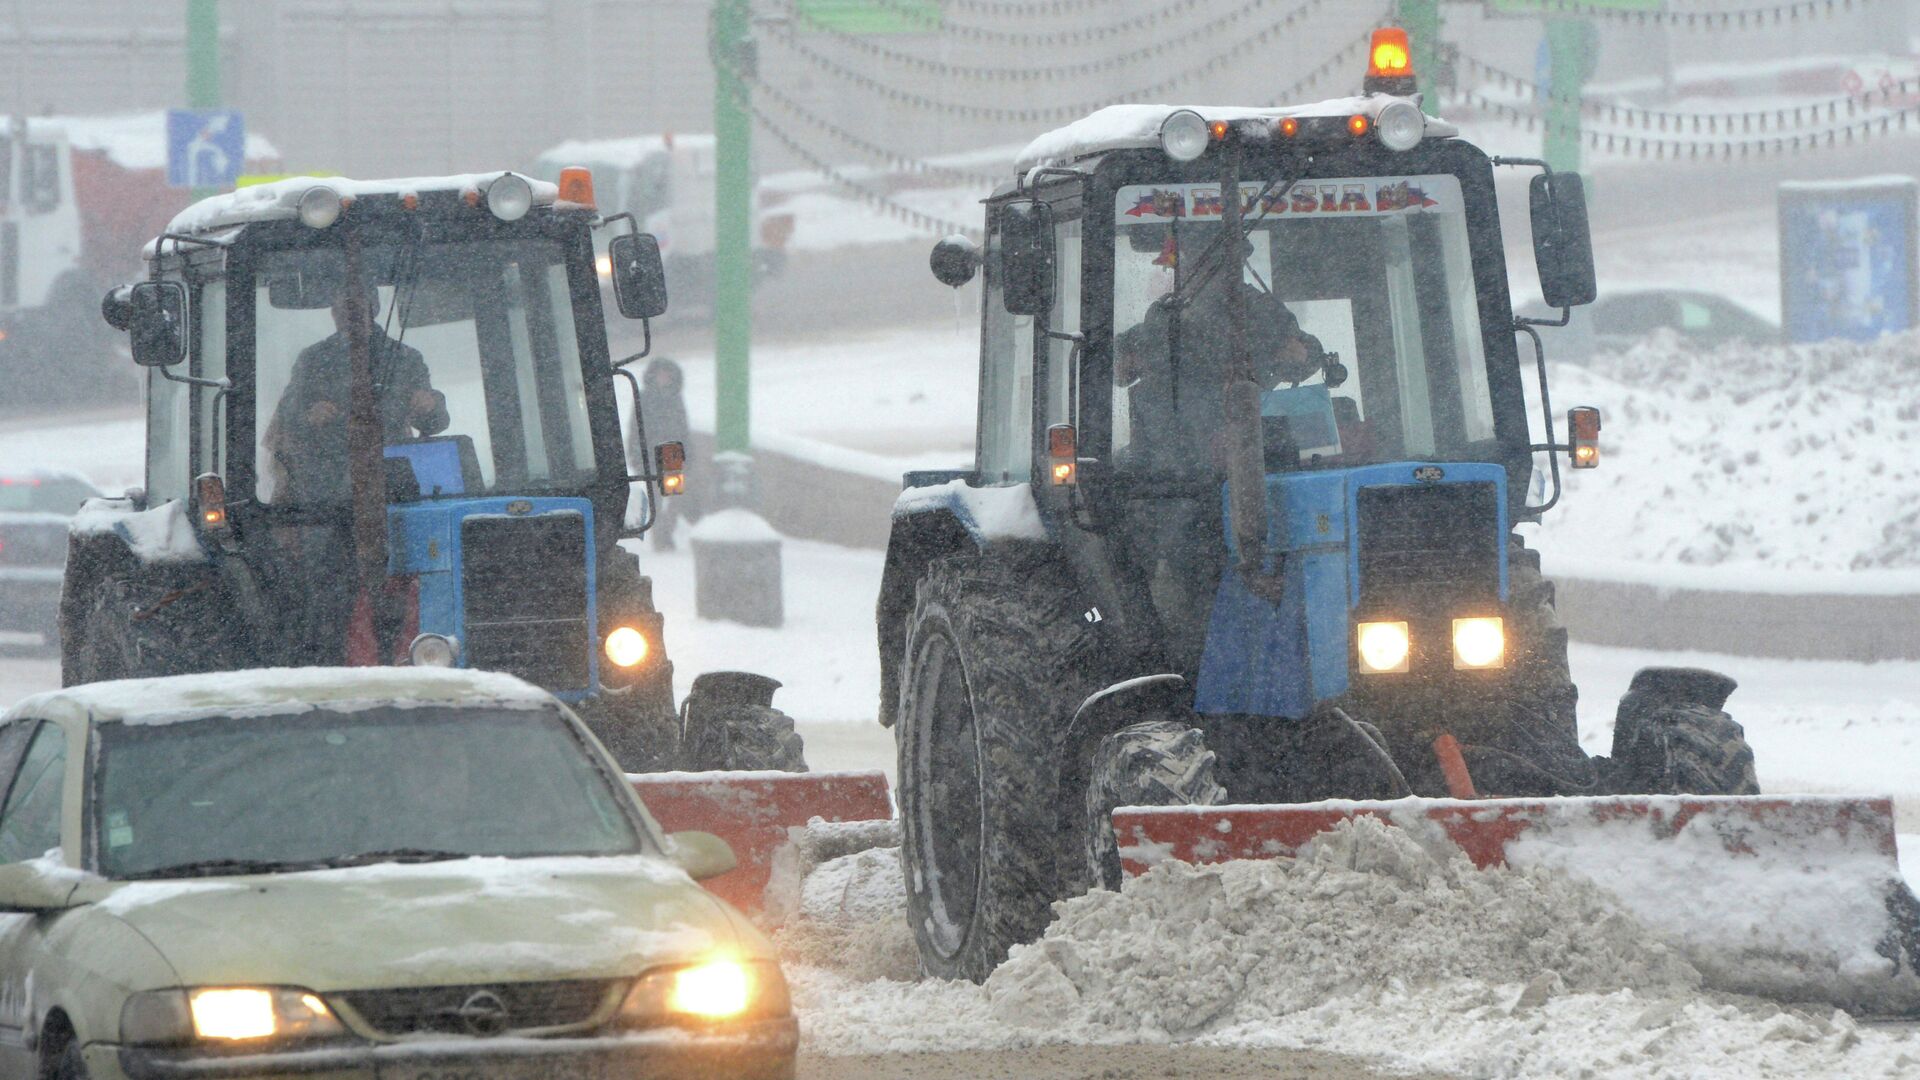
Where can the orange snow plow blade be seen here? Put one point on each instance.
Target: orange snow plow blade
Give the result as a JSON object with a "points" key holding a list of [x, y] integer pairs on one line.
{"points": [[752, 811], [1789, 897]]}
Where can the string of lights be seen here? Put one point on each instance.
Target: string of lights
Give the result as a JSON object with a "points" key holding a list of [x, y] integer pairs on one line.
{"points": [[861, 145], [1747, 18], [1033, 114], [1675, 149], [1890, 91], [1158, 46]]}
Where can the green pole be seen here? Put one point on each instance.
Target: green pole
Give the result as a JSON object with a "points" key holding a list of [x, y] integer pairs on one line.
{"points": [[203, 61], [732, 227], [1571, 47], [1421, 20]]}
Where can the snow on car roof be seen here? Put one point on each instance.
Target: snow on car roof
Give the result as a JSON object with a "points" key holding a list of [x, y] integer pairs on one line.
{"points": [[275, 690], [280, 200], [1134, 127]]}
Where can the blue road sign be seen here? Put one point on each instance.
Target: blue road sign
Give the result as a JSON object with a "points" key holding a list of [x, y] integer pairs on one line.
{"points": [[206, 148], [1847, 258]]}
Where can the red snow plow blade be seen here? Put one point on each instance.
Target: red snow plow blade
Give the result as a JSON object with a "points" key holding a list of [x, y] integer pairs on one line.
{"points": [[1789, 897], [752, 811]]}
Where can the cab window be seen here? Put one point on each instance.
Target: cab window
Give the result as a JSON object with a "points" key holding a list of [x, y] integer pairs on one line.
{"points": [[30, 822]]}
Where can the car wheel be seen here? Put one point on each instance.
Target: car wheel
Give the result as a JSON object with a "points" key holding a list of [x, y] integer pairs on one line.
{"points": [[70, 1065]]}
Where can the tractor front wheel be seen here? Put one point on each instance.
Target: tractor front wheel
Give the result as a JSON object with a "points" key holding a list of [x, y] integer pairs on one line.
{"points": [[1671, 737], [1150, 763]]}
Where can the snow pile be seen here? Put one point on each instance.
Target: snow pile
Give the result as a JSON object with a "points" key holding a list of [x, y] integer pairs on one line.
{"points": [[1369, 944], [1788, 457]]}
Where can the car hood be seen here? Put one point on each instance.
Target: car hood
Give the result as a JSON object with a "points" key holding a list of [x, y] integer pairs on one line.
{"points": [[423, 924]]}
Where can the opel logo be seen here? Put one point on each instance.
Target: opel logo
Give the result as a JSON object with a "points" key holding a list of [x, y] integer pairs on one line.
{"points": [[483, 1013]]}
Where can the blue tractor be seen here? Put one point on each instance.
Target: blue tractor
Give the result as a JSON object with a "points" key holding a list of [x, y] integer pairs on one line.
{"points": [[1241, 521], [381, 429]]}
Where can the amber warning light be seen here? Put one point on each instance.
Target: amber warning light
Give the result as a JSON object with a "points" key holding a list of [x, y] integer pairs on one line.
{"points": [[1583, 426], [1390, 63]]}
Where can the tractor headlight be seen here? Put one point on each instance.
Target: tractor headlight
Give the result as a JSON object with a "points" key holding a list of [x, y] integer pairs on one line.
{"points": [[319, 207], [226, 1014], [510, 197], [626, 647], [1479, 643], [1183, 135], [711, 991], [433, 650], [1383, 646]]}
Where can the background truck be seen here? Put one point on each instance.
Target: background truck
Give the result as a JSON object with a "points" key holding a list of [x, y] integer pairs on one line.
{"points": [[666, 182], [1254, 436], [381, 429]]}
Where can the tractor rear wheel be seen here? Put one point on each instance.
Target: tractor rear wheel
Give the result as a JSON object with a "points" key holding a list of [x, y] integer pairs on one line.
{"points": [[995, 660], [1150, 763], [136, 629], [1671, 737]]}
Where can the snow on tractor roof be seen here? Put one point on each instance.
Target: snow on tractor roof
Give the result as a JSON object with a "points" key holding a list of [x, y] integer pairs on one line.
{"points": [[280, 200], [1137, 127], [272, 691]]}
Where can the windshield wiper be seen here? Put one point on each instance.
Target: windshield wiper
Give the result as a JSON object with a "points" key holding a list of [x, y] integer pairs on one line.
{"points": [[398, 855], [224, 867]]}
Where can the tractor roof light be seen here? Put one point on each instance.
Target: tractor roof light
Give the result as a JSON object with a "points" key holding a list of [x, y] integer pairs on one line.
{"points": [[434, 650], [1400, 126], [510, 197], [1184, 135], [576, 185], [1390, 63], [319, 206]]}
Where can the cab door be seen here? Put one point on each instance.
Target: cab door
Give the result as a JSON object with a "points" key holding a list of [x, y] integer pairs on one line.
{"points": [[33, 758]]}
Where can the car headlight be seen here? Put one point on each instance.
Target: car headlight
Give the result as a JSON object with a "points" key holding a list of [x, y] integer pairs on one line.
{"points": [[1383, 646], [226, 1015], [626, 647], [1479, 642], [707, 992]]}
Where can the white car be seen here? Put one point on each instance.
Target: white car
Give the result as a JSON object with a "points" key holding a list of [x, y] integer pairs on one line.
{"points": [[406, 872]]}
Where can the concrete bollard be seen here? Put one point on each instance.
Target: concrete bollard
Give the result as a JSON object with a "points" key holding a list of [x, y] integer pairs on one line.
{"points": [[736, 569]]}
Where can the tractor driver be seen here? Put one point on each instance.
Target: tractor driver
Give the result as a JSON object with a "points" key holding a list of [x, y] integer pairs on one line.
{"points": [[308, 434], [1176, 400]]}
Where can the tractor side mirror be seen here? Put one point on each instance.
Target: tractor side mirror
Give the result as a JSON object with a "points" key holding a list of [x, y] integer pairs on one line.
{"points": [[1027, 257], [117, 307], [157, 322], [639, 278], [1562, 241], [954, 261]]}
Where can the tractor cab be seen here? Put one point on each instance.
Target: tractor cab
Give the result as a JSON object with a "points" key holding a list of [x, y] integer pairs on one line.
{"points": [[381, 429]]}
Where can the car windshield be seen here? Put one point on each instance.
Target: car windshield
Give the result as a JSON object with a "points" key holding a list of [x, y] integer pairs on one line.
{"points": [[477, 373], [332, 788], [1363, 323]]}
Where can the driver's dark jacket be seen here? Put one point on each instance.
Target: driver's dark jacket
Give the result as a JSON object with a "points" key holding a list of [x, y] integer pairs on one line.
{"points": [[314, 456], [1176, 431]]}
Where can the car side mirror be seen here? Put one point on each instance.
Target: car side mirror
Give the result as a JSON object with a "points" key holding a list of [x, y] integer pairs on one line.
{"points": [[26, 887], [158, 323], [1562, 240], [954, 261], [1027, 257], [701, 854], [639, 278]]}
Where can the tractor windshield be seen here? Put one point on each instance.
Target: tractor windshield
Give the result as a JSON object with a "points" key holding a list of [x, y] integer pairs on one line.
{"points": [[1362, 323], [477, 376]]}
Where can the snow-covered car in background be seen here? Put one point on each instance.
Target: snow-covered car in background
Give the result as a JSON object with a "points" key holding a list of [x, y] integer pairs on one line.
{"points": [[1622, 317], [35, 506], [396, 872]]}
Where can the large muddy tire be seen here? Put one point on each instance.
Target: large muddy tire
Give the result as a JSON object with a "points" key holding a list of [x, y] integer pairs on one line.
{"points": [[995, 663], [748, 737], [642, 734], [1671, 737], [134, 629], [1150, 763]]}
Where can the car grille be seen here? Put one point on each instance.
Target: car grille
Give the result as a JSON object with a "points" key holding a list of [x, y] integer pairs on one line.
{"points": [[495, 1009], [525, 586], [1439, 540], [32, 543]]}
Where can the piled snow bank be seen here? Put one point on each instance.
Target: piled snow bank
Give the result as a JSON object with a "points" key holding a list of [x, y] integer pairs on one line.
{"points": [[1788, 457], [1368, 944]]}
